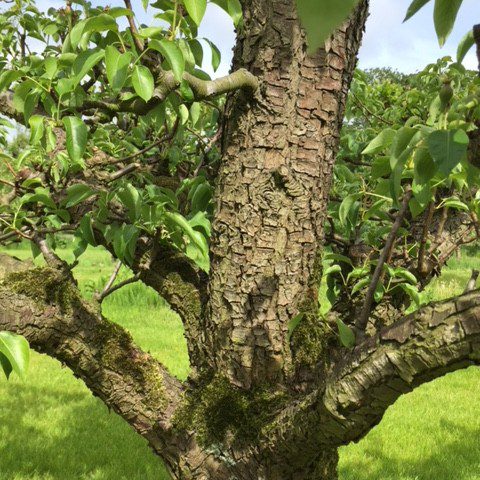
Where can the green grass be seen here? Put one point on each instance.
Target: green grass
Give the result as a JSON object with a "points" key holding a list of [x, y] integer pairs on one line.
{"points": [[52, 428]]}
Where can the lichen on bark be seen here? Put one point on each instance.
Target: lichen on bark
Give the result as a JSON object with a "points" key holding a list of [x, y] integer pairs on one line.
{"points": [[220, 412], [46, 285]]}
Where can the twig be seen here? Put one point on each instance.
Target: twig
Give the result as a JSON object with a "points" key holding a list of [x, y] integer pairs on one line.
{"points": [[422, 267], [362, 320], [158, 142], [133, 28], [5, 182], [50, 257], [366, 109], [124, 171], [105, 294], [112, 278]]}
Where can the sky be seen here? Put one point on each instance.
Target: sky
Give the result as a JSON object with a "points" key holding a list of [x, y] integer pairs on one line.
{"points": [[388, 42]]}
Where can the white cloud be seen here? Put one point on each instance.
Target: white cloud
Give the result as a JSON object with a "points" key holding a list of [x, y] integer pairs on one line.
{"points": [[409, 46]]}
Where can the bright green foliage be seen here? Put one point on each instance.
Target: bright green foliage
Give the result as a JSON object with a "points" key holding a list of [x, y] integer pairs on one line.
{"points": [[321, 17], [101, 161], [400, 131], [14, 354]]}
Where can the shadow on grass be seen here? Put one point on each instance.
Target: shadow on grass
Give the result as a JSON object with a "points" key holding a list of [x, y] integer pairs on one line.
{"points": [[55, 433], [452, 460]]}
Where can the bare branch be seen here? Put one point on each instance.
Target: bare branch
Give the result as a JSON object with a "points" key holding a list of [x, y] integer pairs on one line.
{"points": [[133, 28], [362, 320], [113, 277], [120, 285]]}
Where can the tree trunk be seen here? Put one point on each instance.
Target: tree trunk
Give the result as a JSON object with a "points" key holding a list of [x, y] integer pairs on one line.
{"points": [[272, 191], [261, 403]]}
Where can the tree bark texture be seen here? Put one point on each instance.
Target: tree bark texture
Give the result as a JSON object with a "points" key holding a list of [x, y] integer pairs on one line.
{"points": [[260, 403], [272, 190]]}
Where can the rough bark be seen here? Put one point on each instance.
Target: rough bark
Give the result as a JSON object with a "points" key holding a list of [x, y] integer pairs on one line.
{"points": [[259, 404], [272, 189]]}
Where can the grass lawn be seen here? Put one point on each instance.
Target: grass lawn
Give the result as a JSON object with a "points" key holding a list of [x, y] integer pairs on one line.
{"points": [[52, 428]]}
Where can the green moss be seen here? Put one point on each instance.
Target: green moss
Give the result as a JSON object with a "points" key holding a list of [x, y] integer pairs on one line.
{"points": [[119, 354], [45, 285], [220, 412], [309, 339]]}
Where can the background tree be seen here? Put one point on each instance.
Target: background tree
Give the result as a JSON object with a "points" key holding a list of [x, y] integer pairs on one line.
{"points": [[129, 140]]}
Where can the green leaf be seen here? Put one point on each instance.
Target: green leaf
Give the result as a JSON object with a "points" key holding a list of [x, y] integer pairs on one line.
{"points": [[100, 23], [201, 197], [346, 207], [197, 248], [361, 284], [16, 350], [37, 129], [444, 16], [456, 204], [333, 269], [84, 63], [172, 54], [77, 135], [97, 23], [424, 166], [347, 337], [359, 272], [196, 9], [142, 81], [124, 242], [293, 324], [86, 230], [338, 257], [405, 274], [400, 146], [5, 365], [41, 195], [321, 17], [411, 291], [233, 8], [414, 7], [78, 193], [130, 197], [447, 148], [216, 56], [201, 223], [465, 45], [383, 140], [116, 64], [195, 112]]}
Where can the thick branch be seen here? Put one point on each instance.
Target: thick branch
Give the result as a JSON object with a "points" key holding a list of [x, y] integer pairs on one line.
{"points": [[45, 306], [241, 79], [437, 339], [49, 312]]}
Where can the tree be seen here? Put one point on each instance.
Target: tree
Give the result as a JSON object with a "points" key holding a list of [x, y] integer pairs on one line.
{"points": [[128, 141]]}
